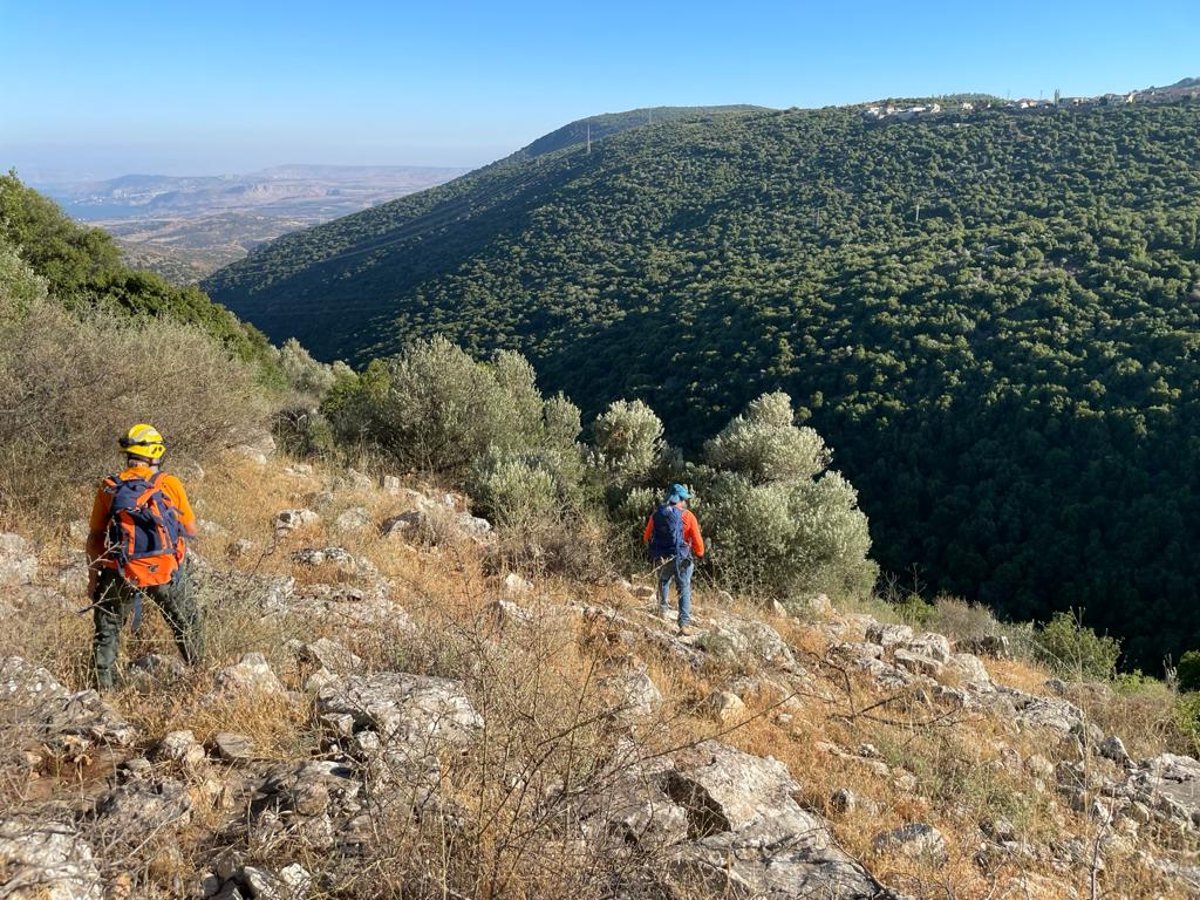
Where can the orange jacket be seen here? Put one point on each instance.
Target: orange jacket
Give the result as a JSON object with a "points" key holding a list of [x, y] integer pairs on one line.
{"points": [[691, 532], [172, 489]]}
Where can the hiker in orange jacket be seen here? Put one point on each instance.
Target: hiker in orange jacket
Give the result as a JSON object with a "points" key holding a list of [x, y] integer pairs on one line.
{"points": [[673, 536], [131, 558]]}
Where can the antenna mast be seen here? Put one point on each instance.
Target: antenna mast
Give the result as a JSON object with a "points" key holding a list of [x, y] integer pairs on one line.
{"points": [[589, 137]]}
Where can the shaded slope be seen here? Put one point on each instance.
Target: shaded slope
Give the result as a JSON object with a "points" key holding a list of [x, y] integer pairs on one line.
{"points": [[299, 286]]}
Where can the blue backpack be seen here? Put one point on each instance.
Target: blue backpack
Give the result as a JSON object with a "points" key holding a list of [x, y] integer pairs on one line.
{"points": [[667, 540]]}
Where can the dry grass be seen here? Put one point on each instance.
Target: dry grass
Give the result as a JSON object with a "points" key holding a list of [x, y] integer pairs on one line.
{"points": [[550, 734]]}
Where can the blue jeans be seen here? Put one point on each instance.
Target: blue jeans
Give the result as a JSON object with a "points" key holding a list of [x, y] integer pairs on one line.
{"points": [[681, 571]]}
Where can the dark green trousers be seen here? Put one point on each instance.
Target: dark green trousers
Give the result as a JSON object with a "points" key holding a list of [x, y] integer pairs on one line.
{"points": [[115, 600]]}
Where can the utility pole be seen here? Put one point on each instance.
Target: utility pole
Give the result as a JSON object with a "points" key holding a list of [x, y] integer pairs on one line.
{"points": [[589, 137], [918, 220]]}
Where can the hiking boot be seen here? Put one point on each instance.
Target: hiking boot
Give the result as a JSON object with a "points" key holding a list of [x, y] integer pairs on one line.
{"points": [[686, 630]]}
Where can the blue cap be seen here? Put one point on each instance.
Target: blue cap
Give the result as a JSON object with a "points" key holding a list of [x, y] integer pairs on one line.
{"points": [[678, 492]]}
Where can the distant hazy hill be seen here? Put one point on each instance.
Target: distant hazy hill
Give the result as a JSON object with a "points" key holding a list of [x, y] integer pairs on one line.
{"points": [[186, 227], [993, 316]]}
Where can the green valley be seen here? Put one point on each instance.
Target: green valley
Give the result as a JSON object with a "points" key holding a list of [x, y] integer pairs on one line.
{"points": [[992, 315]]}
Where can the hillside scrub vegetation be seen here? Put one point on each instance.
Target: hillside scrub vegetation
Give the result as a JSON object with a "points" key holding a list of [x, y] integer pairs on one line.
{"points": [[780, 523], [88, 347], [992, 315]]}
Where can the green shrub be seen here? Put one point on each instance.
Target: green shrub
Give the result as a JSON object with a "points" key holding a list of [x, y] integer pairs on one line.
{"points": [[779, 522], [303, 373], [543, 520], [1188, 671], [434, 409], [1072, 649], [627, 440], [764, 444], [21, 288]]}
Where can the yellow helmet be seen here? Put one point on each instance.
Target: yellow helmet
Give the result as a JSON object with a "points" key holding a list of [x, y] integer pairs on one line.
{"points": [[144, 441]]}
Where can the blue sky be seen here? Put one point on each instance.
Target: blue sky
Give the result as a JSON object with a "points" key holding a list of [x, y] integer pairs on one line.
{"points": [[202, 88]]}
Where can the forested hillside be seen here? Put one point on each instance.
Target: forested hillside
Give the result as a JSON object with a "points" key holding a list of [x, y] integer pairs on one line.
{"points": [[992, 316]]}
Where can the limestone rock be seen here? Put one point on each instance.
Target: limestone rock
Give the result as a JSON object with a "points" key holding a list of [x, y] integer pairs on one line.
{"points": [[509, 613], [328, 654], [726, 706], [1113, 748], [999, 829], [290, 883], [54, 715], [291, 519], [338, 557], [404, 524], [635, 694], [516, 586], [818, 607], [159, 667], [969, 668], [18, 562], [748, 836], [143, 806], [233, 747], [417, 712], [1045, 712], [260, 441], [473, 526], [390, 484], [252, 674], [888, 635], [181, 747], [1169, 785], [240, 548], [250, 453], [918, 664], [354, 480], [994, 645], [356, 518], [915, 841], [931, 645], [296, 881], [844, 800], [46, 861], [302, 801]]}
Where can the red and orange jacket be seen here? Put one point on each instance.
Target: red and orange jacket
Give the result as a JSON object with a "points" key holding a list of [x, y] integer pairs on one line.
{"points": [[172, 489], [691, 532]]}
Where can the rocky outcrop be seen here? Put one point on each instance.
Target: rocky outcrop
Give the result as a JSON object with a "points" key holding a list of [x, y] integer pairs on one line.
{"points": [[418, 713], [291, 519], [50, 714], [251, 675], [18, 561], [341, 559], [141, 808], [46, 861], [916, 841], [729, 826]]}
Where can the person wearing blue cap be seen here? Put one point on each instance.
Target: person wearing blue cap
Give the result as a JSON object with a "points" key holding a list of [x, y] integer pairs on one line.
{"points": [[673, 536]]}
